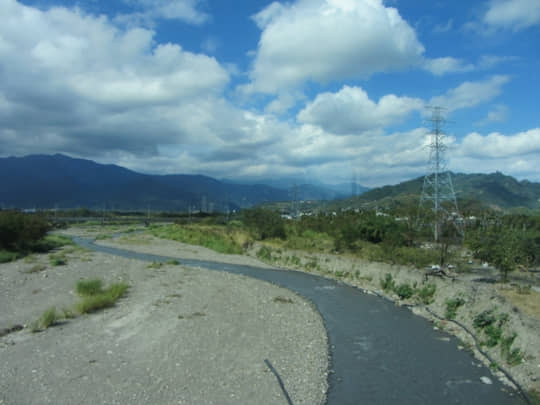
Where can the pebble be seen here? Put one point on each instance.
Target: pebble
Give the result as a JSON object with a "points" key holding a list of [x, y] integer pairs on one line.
{"points": [[486, 380]]}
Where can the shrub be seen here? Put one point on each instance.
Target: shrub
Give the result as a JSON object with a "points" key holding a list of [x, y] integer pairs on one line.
{"points": [[264, 253], [426, 293], [484, 319], [20, 231], [491, 326], [265, 223], [452, 305], [404, 291], [6, 257]]}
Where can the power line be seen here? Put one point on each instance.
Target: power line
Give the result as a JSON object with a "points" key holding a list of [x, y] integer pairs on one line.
{"points": [[438, 190]]}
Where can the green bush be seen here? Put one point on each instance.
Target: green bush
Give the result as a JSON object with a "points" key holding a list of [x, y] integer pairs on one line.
{"points": [[264, 253], [265, 224], [452, 305], [491, 325], [6, 256], [484, 319], [19, 232], [404, 291], [426, 293]]}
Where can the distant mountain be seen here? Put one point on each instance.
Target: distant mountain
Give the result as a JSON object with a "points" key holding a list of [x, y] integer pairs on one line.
{"points": [[314, 190], [494, 190], [43, 181]]}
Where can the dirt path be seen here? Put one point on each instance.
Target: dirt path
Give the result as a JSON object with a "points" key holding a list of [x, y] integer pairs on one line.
{"points": [[180, 336]]}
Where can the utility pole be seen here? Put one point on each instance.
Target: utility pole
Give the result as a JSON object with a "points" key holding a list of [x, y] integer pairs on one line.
{"points": [[438, 190]]}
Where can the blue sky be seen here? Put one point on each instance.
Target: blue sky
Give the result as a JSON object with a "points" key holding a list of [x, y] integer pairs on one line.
{"points": [[317, 90]]}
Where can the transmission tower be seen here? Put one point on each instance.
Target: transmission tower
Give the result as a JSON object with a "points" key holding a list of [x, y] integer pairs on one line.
{"points": [[438, 190]]}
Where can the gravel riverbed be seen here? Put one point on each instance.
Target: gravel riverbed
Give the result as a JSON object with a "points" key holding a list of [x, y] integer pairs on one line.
{"points": [[181, 336]]}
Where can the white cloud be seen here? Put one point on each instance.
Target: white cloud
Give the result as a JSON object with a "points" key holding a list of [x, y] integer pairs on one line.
{"points": [[512, 14], [350, 111], [496, 145], [517, 154], [498, 114], [444, 65], [81, 82], [470, 94], [149, 10], [325, 40]]}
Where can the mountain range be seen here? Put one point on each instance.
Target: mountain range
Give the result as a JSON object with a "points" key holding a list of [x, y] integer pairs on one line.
{"points": [[49, 181], [59, 181]]}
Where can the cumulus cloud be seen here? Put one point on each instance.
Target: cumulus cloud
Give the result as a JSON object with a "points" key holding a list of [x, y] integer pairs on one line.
{"points": [[516, 154], [149, 10], [350, 111], [496, 145], [83, 84], [470, 94], [325, 40], [444, 65], [512, 14], [498, 114]]}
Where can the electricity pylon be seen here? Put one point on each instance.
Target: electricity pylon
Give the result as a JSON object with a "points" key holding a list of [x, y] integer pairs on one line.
{"points": [[438, 190]]}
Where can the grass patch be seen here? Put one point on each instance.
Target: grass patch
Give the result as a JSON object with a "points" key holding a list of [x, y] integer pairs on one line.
{"points": [[47, 319], [57, 259], [173, 262], [94, 297], [155, 265], [89, 287], [215, 237]]}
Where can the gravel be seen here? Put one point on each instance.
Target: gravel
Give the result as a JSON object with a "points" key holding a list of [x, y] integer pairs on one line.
{"points": [[180, 336]]}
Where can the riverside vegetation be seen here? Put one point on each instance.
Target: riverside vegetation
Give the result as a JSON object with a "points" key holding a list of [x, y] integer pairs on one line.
{"points": [[510, 242]]}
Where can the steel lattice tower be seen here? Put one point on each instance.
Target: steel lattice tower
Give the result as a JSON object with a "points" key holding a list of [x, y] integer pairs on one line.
{"points": [[438, 190]]}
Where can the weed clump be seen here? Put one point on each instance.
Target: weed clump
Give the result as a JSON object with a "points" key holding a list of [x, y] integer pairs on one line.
{"points": [[452, 305], [426, 293], [89, 287], [94, 297], [387, 283]]}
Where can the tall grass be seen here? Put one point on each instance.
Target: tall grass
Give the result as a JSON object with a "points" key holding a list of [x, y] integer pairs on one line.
{"points": [[215, 237], [94, 297]]}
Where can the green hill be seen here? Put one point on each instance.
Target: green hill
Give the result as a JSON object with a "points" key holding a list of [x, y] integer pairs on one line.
{"points": [[494, 190]]}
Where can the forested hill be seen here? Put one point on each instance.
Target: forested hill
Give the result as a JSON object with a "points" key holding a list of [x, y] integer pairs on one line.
{"points": [[44, 181], [494, 190]]}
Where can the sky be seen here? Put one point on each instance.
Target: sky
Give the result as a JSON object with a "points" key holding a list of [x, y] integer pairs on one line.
{"points": [[315, 90]]}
